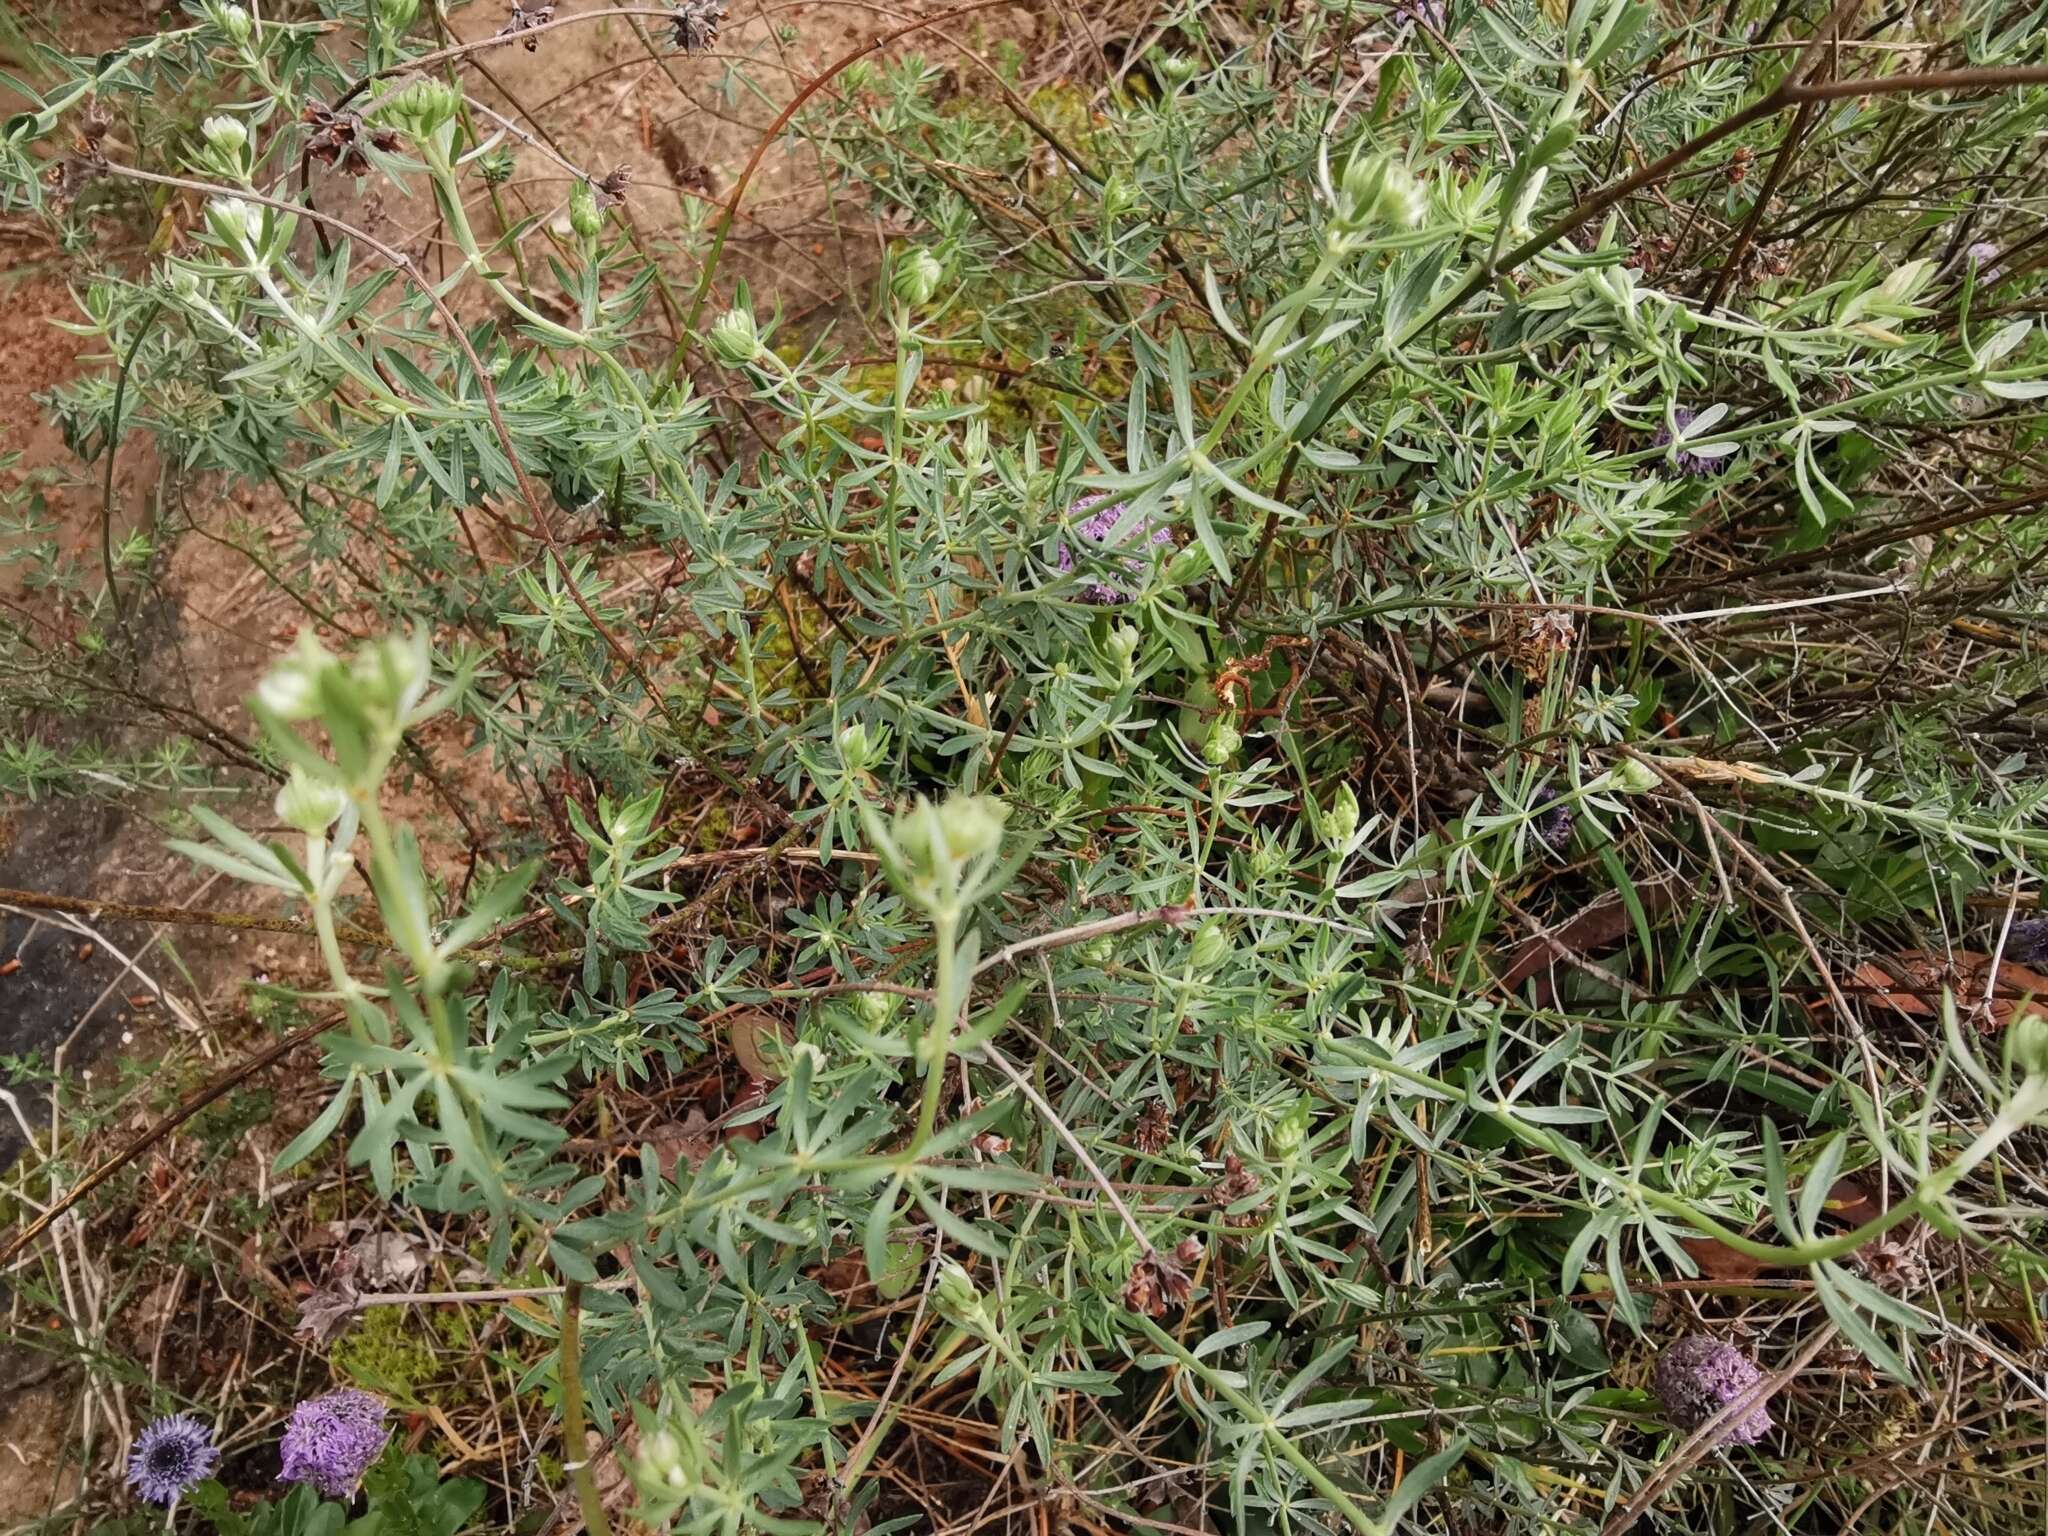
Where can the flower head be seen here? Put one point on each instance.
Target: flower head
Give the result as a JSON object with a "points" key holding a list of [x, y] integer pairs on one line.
{"points": [[1983, 256], [1437, 13], [917, 276], [1698, 1376], [1554, 827], [169, 1456], [331, 1441], [694, 26], [2026, 941], [1099, 528], [1685, 460], [734, 338]]}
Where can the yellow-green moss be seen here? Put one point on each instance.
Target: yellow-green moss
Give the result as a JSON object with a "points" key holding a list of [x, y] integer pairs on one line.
{"points": [[388, 1350]]}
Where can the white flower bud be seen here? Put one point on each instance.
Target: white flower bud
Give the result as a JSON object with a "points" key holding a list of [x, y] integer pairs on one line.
{"points": [[734, 339], [956, 1293], [225, 134], [972, 825], [853, 745], [308, 804], [235, 223], [1403, 200], [291, 688], [233, 20], [917, 276], [393, 672], [661, 1461]]}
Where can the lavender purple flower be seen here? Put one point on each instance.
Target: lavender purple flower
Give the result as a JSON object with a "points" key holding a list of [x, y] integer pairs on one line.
{"points": [[168, 1457], [1436, 13], [1698, 1376], [1098, 529], [1981, 254], [332, 1440], [2026, 941], [1554, 827], [1686, 461]]}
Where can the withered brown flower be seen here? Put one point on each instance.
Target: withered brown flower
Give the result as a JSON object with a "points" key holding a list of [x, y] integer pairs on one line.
{"points": [[609, 191], [694, 27], [524, 20], [1237, 1183], [1160, 1280], [1155, 1127], [337, 139]]}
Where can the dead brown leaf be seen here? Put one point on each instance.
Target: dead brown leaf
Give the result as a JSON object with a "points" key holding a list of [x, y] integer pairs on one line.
{"points": [[1718, 1261], [1912, 982], [1599, 927], [758, 1040]]}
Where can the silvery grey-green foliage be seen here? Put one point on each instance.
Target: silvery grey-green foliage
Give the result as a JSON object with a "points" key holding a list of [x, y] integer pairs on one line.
{"points": [[1186, 872]]}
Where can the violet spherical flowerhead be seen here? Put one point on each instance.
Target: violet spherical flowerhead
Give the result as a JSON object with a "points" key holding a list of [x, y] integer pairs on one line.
{"points": [[1554, 827], [169, 1456], [1685, 460], [1983, 256], [2026, 941], [331, 1441], [1098, 529], [1698, 1376]]}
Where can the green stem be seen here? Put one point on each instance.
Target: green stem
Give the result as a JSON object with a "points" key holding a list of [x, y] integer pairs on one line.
{"points": [[575, 1443], [2027, 1104], [936, 1046], [1257, 1417]]}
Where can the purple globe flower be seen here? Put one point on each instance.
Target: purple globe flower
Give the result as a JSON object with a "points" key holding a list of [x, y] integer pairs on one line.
{"points": [[1554, 827], [331, 1441], [169, 1456], [1699, 1376], [2026, 941], [1982, 254], [1684, 460], [1100, 528]]}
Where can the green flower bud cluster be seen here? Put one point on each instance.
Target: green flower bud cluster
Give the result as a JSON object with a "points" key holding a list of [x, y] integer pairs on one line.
{"points": [[1221, 746], [1268, 858], [496, 165], [1630, 777], [396, 16], [944, 857], [310, 805], [967, 827], [224, 149], [425, 112], [1122, 644], [733, 338], [859, 748], [232, 19], [917, 277], [1340, 821], [1376, 190], [959, 1299], [255, 232], [585, 217], [366, 702]]}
